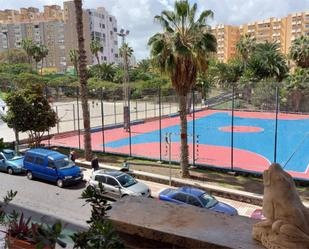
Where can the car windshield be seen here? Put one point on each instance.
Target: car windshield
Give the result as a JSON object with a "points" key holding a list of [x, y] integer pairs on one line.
{"points": [[208, 200], [62, 163], [126, 180], [9, 155]]}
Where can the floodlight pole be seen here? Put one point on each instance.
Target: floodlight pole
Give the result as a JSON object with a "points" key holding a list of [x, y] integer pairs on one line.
{"points": [[126, 88]]}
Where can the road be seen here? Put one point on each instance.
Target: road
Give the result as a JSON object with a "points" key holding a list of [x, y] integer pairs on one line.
{"points": [[46, 202]]}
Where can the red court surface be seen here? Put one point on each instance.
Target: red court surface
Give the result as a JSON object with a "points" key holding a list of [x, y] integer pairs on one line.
{"points": [[117, 141]]}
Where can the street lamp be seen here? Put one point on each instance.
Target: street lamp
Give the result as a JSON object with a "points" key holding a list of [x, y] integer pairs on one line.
{"points": [[126, 90], [7, 44]]}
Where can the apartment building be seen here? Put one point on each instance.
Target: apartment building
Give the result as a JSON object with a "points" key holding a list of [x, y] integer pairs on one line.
{"points": [[103, 28], [227, 37], [281, 30], [56, 28]]}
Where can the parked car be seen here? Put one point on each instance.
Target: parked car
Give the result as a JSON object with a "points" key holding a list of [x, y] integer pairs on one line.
{"points": [[10, 162], [118, 184], [196, 197], [51, 166], [258, 214]]}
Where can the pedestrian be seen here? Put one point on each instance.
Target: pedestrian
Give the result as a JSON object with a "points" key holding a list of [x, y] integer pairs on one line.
{"points": [[125, 166], [95, 163], [73, 156]]}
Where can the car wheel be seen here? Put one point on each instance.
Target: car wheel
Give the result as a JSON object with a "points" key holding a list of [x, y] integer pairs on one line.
{"points": [[29, 175], [60, 183], [10, 171]]}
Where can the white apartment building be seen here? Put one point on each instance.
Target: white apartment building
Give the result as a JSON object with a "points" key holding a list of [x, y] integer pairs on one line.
{"points": [[103, 27]]}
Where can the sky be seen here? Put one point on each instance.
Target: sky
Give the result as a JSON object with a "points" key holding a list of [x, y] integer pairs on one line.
{"points": [[137, 15]]}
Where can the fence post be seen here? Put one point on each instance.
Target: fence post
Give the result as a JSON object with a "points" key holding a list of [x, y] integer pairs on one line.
{"points": [[78, 125], [145, 109], [136, 112], [102, 120], [46, 96], [115, 115], [160, 123], [57, 116], [276, 124], [129, 121], [232, 133], [193, 124], [74, 117]]}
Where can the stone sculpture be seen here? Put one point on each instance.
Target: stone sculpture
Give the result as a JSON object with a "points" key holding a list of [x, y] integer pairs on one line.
{"points": [[287, 219]]}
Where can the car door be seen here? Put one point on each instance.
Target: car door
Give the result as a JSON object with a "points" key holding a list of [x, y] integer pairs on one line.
{"points": [[180, 198], [192, 200], [113, 187], [98, 179], [2, 163], [50, 170]]}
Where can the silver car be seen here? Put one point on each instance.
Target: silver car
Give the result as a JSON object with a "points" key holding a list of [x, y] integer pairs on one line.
{"points": [[118, 184]]}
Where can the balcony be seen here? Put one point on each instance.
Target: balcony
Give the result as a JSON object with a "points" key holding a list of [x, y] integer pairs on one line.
{"points": [[169, 225]]}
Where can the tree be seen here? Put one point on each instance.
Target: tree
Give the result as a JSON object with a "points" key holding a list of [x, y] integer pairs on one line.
{"points": [[297, 85], [181, 51], [29, 111], [267, 61], [144, 65], [104, 71], [83, 78], [299, 51], [245, 46], [39, 53], [28, 45], [15, 56], [95, 48], [74, 57]]}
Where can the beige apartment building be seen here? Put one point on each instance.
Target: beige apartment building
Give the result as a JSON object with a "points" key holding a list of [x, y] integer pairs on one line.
{"points": [[281, 30], [56, 28]]}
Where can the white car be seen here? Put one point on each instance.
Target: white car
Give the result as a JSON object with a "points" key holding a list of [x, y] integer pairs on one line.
{"points": [[118, 184]]}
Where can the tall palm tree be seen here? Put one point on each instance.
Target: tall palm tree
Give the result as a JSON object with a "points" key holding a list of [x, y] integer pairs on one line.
{"points": [[299, 51], [44, 52], [182, 51], [74, 57], [245, 46], [95, 48], [28, 45], [83, 78], [144, 65]]}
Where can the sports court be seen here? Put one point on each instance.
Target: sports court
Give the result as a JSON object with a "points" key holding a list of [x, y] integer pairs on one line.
{"points": [[253, 140]]}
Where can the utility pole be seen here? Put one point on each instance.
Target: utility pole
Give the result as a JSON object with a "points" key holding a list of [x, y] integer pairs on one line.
{"points": [[126, 88]]}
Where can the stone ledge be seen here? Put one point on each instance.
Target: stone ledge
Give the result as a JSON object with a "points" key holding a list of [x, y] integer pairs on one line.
{"points": [[150, 223]]}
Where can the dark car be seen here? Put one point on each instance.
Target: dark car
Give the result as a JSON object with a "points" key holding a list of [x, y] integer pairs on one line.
{"points": [[196, 197], [51, 166], [10, 162]]}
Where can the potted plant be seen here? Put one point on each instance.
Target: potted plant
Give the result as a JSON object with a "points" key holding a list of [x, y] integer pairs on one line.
{"points": [[22, 233]]}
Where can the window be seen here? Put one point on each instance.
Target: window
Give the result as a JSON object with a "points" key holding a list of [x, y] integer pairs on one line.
{"points": [[29, 159], [193, 201], [112, 50], [111, 181], [100, 178], [39, 161], [180, 197], [105, 58], [1, 157], [110, 19], [103, 25], [115, 29]]}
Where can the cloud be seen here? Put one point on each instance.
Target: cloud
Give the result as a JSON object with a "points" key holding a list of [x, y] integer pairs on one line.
{"points": [[137, 15]]}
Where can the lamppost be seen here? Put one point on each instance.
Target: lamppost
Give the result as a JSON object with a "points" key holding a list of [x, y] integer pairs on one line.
{"points": [[126, 90], [7, 44]]}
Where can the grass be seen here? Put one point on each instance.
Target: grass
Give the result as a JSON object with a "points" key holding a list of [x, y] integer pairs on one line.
{"points": [[2, 95]]}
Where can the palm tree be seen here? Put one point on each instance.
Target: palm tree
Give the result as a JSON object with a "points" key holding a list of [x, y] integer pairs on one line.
{"points": [[28, 45], [144, 65], [245, 46], [83, 78], [182, 51], [74, 57], [95, 48], [299, 51], [39, 52], [267, 61]]}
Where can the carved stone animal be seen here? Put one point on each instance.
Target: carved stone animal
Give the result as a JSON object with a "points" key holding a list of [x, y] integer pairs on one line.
{"points": [[287, 219]]}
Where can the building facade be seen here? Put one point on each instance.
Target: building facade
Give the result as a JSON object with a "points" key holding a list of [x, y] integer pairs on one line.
{"points": [[56, 28], [281, 30]]}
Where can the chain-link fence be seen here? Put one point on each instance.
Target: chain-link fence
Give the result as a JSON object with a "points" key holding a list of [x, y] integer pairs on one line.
{"points": [[242, 128]]}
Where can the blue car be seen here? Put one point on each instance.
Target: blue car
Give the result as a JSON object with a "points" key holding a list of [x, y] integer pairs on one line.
{"points": [[196, 197], [51, 166], [10, 162]]}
